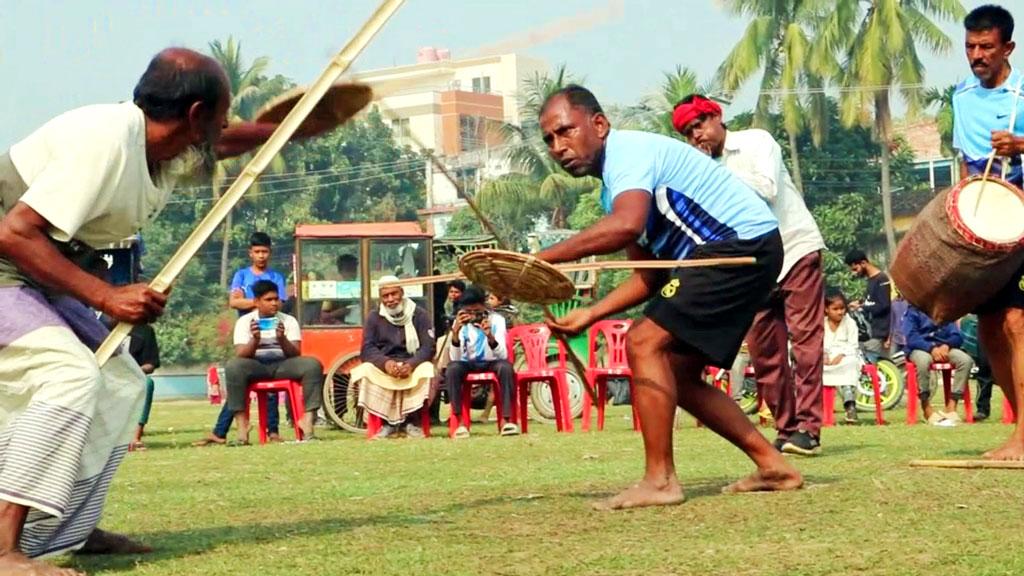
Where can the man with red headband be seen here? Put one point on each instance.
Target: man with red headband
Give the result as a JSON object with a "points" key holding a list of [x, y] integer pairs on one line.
{"points": [[795, 311]]}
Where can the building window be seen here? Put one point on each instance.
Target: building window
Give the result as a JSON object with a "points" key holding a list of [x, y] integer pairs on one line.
{"points": [[471, 132], [482, 85], [400, 128]]}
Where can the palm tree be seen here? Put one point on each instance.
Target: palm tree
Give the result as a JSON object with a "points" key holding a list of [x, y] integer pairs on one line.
{"points": [[546, 188], [779, 40], [250, 89], [654, 114], [943, 99], [882, 56]]}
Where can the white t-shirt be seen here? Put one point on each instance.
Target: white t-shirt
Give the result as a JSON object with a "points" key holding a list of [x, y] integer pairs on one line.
{"points": [[87, 175], [756, 158], [268, 350]]}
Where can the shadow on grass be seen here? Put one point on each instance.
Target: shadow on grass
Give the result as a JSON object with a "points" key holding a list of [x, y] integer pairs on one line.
{"points": [[197, 541]]}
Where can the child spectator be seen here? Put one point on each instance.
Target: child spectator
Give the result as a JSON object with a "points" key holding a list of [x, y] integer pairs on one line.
{"points": [[842, 353]]}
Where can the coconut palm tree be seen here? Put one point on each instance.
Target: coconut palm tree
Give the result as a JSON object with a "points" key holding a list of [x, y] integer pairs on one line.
{"points": [[546, 188], [654, 114], [780, 40], [942, 99], [882, 57], [250, 89]]}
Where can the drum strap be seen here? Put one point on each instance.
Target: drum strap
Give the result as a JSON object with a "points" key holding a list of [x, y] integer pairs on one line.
{"points": [[1013, 120]]}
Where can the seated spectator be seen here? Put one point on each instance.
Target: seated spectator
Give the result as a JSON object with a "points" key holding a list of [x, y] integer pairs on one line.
{"points": [[451, 307], [398, 346], [267, 348], [842, 362], [478, 344], [928, 343], [503, 305], [143, 348], [344, 311]]}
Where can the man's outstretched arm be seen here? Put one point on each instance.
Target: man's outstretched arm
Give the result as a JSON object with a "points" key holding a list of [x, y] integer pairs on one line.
{"points": [[616, 231]]}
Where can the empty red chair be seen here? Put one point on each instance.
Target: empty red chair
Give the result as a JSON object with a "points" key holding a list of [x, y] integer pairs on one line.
{"points": [[534, 339], [290, 387], [454, 420], [615, 366], [374, 422], [946, 370]]}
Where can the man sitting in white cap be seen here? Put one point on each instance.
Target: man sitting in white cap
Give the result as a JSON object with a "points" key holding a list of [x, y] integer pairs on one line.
{"points": [[398, 346]]}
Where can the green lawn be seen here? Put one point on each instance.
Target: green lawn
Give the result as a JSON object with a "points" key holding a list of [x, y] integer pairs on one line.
{"points": [[511, 506]]}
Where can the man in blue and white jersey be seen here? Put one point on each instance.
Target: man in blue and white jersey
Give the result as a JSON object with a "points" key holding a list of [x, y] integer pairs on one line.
{"points": [[666, 200]]}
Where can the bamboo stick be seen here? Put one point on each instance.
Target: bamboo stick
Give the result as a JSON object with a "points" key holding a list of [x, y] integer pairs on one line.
{"points": [[338, 65], [970, 464], [603, 265]]}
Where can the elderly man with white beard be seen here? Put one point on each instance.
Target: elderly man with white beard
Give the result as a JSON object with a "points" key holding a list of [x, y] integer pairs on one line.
{"points": [[89, 177], [398, 346]]}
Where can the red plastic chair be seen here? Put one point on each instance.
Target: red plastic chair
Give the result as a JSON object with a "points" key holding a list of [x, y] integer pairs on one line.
{"points": [[1008, 416], [374, 423], [467, 401], [615, 366], [947, 384], [290, 387], [534, 339], [828, 398]]}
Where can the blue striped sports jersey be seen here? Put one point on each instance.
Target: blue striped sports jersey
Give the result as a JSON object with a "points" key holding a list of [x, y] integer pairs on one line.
{"points": [[694, 200], [977, 111]]}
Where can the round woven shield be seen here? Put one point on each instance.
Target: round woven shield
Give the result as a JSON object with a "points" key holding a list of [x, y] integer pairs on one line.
{"points": [[518, 276], [341, 102]]}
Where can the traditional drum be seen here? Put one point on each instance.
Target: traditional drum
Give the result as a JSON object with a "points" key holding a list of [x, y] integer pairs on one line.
{"points": [[963, 248]]}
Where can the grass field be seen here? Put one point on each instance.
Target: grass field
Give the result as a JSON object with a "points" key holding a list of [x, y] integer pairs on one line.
{"points": [[520, 506]]}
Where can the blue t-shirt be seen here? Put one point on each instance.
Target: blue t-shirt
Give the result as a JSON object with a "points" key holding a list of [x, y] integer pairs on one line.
{"points": [[694, 200], [977, 111], [244, 278]]}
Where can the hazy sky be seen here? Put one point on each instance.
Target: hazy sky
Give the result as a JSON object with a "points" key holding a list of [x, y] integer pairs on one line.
{"points": [[56, 55]]}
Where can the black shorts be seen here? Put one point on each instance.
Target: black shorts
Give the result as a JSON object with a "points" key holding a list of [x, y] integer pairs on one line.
{"points": [[1010, 296], [710, 309]]}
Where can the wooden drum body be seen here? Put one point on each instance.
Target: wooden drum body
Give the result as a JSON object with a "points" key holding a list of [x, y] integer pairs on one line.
{"points": [[962, 249]]}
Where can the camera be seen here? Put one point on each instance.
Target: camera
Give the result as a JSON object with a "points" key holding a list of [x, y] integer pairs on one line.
{"points": [[478, 316]]}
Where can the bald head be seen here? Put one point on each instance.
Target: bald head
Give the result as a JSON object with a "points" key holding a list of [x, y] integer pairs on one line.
{"points": [[178, 78]]}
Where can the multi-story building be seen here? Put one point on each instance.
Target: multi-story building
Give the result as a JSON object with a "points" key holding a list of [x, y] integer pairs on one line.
{"points": [[454, 108]]}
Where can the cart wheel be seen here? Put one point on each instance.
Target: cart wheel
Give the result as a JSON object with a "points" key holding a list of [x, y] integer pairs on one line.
{"points": [[540, 395], [340, 399]]}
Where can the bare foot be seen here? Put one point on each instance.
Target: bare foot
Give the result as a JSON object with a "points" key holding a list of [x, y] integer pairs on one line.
{"points": [[210, 439], [17, 564], [275, 437], [1012, 450], [644, 493], [767, 480], [103, 542]]}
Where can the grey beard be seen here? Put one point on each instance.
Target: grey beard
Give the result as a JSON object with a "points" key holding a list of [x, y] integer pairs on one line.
{"points": [[195, 163], [396, 310]]}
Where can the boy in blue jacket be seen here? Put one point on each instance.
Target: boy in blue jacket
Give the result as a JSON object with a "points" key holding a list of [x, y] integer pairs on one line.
{"points": [[928, 343]]}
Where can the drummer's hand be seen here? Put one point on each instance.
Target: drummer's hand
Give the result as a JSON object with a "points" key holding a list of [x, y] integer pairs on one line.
{"points": [[1004, 143], [135, 304], [573, 323]]}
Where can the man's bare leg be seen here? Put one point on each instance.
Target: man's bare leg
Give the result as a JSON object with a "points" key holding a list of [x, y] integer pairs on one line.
{"points": [[12, 561], [647, 346], [722, 414], [1002, 334], [242, 422]]}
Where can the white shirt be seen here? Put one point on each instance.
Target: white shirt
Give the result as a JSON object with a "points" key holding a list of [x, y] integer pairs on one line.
{"points": [[756, 158], [268, 350], [87, 174], [473, 346], [844, 340]]}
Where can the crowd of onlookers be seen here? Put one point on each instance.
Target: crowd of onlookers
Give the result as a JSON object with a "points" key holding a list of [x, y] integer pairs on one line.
{"points": [[411, 361]]}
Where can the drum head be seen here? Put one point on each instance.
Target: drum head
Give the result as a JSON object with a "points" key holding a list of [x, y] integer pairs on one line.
{"points": [[341, 102], [517, 276], [993, 210]]}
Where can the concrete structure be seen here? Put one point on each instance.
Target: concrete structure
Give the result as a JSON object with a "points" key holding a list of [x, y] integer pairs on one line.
{"points": [[453, 107]]}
